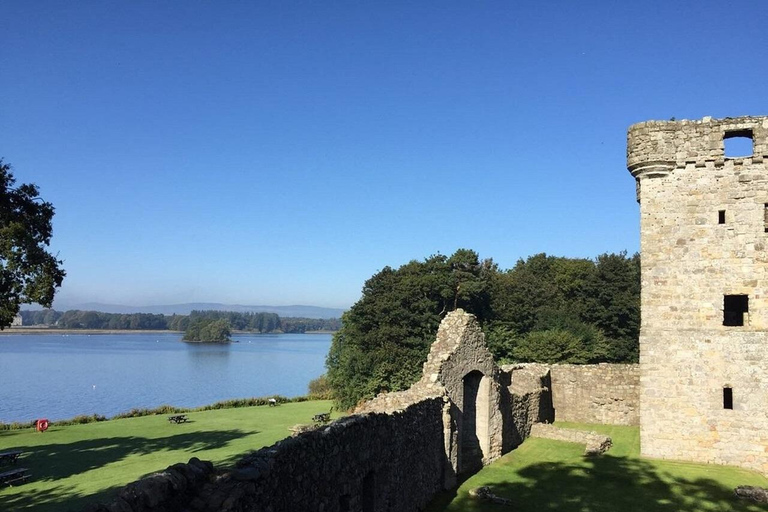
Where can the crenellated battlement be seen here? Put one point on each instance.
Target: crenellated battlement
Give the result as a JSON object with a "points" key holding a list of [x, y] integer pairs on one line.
{"points": [[657, 148]]}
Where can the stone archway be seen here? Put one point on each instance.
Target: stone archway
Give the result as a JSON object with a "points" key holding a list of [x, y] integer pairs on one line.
{"points": [[475, 437]]}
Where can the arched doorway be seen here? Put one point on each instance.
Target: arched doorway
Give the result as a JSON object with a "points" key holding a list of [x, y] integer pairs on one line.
{"points": [[475, 440]]}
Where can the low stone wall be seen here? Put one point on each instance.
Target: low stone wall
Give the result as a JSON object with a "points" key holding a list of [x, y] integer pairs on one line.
{"points": [[597, 393], [371, 462], [595, 443]]}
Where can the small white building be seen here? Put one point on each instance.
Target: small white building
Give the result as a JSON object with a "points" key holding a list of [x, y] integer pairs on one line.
{"points": [[17, 321]]}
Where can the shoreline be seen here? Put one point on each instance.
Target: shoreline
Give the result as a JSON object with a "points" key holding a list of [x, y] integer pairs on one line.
{"points": [[47, 330], [91, 332]]}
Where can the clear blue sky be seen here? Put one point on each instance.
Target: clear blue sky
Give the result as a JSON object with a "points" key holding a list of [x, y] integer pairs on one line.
{"points": [[280, 152]]}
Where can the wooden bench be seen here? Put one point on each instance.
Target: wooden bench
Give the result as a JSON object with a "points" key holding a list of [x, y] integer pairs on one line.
{"points": [[14, 477], [178, 418], [10, 457], [323, 417]]}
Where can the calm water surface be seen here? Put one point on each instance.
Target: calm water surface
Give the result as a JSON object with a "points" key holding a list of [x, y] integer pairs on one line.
{"points": [[59, 376]]}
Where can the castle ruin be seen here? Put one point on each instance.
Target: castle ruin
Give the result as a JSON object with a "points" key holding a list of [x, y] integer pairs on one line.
{"points": [[699, 393], [704, 299]]}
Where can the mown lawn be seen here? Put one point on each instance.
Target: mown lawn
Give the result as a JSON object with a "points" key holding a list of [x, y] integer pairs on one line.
{"points": [[74, 465], [544, 475]]}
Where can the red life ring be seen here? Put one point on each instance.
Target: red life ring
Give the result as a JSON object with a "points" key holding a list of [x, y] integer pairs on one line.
{"points": [[42, 425]]}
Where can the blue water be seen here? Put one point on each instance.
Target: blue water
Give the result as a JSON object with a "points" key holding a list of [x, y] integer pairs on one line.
{"points": [[59, 376]]}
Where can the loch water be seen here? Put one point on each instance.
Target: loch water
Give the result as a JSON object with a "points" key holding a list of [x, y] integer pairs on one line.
{"points": [[57, 376]]}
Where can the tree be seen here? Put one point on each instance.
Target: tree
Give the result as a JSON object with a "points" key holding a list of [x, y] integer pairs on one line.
{"points": [[208, 330], [385, 337], [28, 272]]}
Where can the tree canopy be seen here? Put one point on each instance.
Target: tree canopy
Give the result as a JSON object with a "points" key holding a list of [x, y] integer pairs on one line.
{"points": [[386, 335], [28, 272], [545, 309], [208, 330]]}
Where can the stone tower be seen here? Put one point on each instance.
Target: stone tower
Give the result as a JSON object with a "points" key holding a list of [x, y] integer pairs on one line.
{"points": [[704, 330]]}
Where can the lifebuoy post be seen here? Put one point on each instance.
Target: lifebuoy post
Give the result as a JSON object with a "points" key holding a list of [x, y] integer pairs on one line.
{"points": [[41, 425]]}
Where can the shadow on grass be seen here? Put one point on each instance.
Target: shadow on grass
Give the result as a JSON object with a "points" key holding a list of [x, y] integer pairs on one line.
{"points": [[604, 484], [52, 462]]}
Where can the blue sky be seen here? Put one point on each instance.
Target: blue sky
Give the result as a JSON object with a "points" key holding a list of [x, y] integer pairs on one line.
{"points": [[282, 152]]}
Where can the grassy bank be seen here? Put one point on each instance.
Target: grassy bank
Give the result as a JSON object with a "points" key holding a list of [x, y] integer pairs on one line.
{"points": [[76, 464], [553, 475]]}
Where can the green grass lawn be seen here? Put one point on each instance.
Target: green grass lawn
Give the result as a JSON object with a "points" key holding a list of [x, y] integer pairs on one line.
{"points": [[544, 475], [74, 465]]}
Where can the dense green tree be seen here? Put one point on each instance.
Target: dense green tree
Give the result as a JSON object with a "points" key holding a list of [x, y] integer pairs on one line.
{"points": [[208, 330], [596, 300], [546, 308], [28, 272], [386, 335]]}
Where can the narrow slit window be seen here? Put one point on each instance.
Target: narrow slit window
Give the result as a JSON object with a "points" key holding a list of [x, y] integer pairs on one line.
{"points": [[738, 143], [727, 398], [734, 307], [765, 217], [721, 217]]}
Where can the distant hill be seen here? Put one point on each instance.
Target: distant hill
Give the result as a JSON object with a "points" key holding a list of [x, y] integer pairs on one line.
{"points": [[185, 309]]}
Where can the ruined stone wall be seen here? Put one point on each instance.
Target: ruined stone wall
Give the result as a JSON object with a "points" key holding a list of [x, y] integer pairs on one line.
{"points": [[459, 353], [595, 443], [373, 462], [526, 400], [704, 236], [596, 393]]}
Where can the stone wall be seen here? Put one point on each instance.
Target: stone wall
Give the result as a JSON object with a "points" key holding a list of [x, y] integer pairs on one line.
{"points": [[460, 363], [682, 410], [596, 393], [526, 400], [370, 462], [704, 241]]}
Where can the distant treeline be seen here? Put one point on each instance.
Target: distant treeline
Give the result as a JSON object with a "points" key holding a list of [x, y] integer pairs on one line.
{"points": [[254, 322]]}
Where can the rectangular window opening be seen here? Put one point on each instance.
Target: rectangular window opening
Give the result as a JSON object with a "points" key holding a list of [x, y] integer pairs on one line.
{"points": [[734, 307], [721, 217], [727, 398], [738, 143]]}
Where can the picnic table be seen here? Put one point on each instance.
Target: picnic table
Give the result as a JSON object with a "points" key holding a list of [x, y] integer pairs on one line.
{"points": [[14, 477], [10, 456], [178, 418], [323, 417]]}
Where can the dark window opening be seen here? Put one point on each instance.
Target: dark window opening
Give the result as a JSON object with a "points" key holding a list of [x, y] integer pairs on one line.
{"points": [[721, 217], [738, 143], [734, 307], [765, 216], [727, 398], [344, 503]]}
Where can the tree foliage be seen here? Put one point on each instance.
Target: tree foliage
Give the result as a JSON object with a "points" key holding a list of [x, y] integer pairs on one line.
{"points": [[386, 335], [28, 272], [208, 330], [544, 309], [251, 322]]}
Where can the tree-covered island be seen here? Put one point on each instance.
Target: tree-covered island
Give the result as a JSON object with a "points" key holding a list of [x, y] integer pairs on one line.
{"points": [[208, 330]]}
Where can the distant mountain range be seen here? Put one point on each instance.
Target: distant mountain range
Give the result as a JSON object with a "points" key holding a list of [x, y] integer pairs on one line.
{"points": [[185, 309]]}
